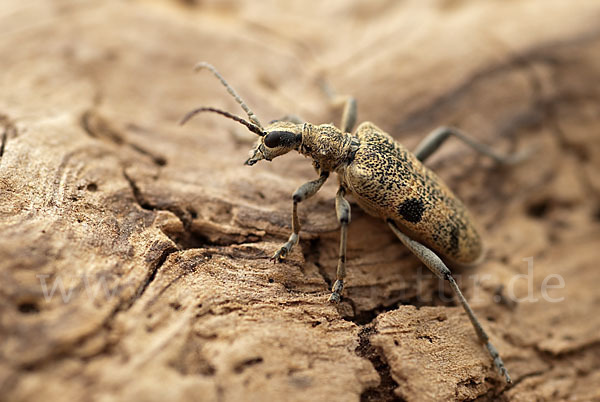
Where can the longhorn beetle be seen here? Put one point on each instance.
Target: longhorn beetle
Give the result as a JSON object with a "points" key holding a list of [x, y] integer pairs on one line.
{"points": [[386, 180]]}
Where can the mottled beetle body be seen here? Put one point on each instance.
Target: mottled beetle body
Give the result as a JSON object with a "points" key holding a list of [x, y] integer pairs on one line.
{"points": [[386, 180], [370, 161], [419, 202]]}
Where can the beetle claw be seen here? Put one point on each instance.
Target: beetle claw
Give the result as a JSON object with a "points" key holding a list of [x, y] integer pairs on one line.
{"points": [[280, 255]]}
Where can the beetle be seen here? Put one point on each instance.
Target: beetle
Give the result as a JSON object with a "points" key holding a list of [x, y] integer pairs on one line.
{"points": [[386, 180]]}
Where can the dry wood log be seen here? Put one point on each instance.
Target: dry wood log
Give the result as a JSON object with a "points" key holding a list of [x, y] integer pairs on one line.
{"points": [[134, 254]]}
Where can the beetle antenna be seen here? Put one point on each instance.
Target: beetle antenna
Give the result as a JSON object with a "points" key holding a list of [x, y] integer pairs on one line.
{"points": [[251, 126], [249, 112]]}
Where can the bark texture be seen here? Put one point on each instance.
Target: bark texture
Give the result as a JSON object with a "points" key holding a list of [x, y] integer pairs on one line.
{"points": [[134, 252]]}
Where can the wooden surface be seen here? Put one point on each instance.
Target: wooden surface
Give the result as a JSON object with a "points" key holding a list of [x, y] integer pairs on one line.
{"points": [[160, 237]]}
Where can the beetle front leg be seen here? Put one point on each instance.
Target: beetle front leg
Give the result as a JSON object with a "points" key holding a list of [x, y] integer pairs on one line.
{"points": [[303, 192], [438, 136], [437, 266], [342, 209]]}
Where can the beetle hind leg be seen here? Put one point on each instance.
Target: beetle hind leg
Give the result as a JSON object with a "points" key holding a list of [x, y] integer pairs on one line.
{"points": [[342, 209], [437, 266], [438, 136]]}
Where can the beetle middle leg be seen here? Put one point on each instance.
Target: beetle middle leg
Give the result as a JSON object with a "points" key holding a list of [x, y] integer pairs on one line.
{"points": [[438, 136], [349, 114], [437, 266], [342, 209], [303, 192], [292, 118]]}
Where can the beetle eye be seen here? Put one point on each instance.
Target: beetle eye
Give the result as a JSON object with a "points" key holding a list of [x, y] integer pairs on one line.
{"points": [[278, 138]]}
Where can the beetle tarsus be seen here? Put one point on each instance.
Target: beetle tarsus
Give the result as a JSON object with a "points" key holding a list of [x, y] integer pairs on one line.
{"points": [[336, 291], [498, 361], [283, 252], [280, 255]]}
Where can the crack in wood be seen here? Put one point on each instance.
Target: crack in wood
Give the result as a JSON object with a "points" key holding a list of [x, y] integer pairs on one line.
{"points": [[99, 128], [385, 390], [152, 274], [8, 129], [192, 238]]}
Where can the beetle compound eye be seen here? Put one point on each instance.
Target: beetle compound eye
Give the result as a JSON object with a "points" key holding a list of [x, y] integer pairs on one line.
{"points": [[279, 138]]}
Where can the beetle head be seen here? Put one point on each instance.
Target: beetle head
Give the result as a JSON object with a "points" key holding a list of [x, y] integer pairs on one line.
{"points": [[280, 137]]}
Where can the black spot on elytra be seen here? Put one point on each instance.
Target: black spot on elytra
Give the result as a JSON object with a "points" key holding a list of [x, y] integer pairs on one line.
{"points": [[411, 210]]}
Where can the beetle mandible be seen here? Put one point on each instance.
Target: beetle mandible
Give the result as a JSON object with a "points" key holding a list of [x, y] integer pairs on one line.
{"points": [[386, 180]]}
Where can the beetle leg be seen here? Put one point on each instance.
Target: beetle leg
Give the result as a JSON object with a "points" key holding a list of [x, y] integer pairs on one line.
{"points": [[437, 266], [303, 192], [292, 118], [349, 114], [437, 137], [342, 209]]}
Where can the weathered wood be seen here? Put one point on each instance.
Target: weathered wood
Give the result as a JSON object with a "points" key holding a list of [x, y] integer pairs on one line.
{"points": [[161, 238]]}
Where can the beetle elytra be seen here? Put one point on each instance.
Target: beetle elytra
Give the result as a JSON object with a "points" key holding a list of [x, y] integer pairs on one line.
{"points": [[386, 180]]}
